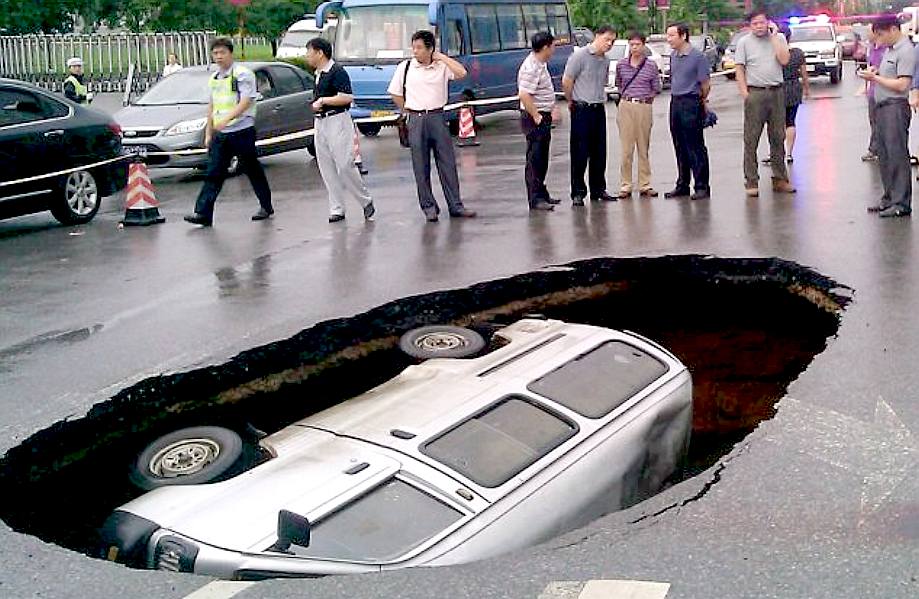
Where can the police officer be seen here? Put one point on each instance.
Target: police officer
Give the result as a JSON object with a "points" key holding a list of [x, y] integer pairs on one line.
{"points": [[230, 131], [74, 89]]}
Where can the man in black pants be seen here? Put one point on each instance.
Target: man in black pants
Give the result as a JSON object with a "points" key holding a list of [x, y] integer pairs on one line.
{"points": [[537, 98], [230, 131], [689, 86], [584, 83]]}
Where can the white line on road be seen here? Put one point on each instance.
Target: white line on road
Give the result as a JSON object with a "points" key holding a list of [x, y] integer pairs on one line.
{"points": [[606, 589], [220, 589]]}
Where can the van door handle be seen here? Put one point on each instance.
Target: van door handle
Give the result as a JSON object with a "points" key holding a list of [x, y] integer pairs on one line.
{"points": [[54, 133]]}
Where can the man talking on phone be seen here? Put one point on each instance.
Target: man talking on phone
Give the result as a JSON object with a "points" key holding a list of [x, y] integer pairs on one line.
{"points": [[760, 57]]}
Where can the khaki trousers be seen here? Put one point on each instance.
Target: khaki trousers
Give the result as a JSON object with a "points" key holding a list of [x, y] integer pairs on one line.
{"points": [[634, 120]]}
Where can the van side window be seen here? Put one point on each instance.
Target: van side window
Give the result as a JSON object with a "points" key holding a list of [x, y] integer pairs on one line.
{"points": [[510, 23], [483, 27], [456, 44], [597, 382], [558, 22], [501, 441], [534, 15]]}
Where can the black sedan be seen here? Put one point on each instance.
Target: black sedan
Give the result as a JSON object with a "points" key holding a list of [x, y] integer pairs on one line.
{"points": [[55, 155]]}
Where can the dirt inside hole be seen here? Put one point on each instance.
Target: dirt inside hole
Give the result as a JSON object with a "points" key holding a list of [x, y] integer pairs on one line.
{"points": [[746, 328]]}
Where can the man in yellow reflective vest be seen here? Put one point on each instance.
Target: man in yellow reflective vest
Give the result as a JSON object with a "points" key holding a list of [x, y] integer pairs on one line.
{"points": [[74, 88], [230, 131]]}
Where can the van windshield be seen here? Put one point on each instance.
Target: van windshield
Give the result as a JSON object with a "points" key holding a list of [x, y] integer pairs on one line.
{"points": [[376, 34], [298, 39], [812, 34]]}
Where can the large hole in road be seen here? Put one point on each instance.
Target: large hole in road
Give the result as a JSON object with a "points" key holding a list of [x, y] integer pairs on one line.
{"points": [[746, 328]]}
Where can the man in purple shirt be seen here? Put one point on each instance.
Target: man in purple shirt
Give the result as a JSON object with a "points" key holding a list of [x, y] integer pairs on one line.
{"points": [[875, 55], [638, 81]]}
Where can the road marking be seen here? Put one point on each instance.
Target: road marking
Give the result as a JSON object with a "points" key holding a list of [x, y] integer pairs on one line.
{"points": [[606, 589], [883, 451], [220, 589]]}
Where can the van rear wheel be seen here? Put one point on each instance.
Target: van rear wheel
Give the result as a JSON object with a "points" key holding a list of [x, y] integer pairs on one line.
{"points": [[369, 129], [189, 456], [441, 341]]}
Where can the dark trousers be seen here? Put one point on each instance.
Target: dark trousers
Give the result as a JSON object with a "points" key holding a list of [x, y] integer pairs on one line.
{"points": [[892, 124], [872, 109], [428, 132], [588, 148], [686, 119], [538, 139], [219, 154]]}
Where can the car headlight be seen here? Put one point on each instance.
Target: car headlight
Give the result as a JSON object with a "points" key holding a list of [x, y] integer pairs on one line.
{"points": [[187, 126]]}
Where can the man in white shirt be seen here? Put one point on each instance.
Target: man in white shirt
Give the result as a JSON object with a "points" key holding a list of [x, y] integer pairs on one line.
{"points": [[537, 99], [419, 88]]}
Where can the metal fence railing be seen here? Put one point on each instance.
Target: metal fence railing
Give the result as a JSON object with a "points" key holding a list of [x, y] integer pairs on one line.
{"points": [[42, 59]]}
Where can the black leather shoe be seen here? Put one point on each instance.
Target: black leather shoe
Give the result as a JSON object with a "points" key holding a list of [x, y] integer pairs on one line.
{"points": [[198, 219], [877, 208], [334, 218], [464, 213], [676, 193], [262, 214], [577, 200], [542, 206], [553, 201], [369, 211], [894, 212], [431, 217], [604, 197], [702, 194]]}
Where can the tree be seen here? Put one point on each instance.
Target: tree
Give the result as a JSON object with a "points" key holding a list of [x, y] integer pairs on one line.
{"points": [[270, 17], [29, 16], [621, 14], [693, 12]]}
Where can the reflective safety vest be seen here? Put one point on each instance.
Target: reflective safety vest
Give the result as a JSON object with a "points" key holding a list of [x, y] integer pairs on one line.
{"points": [[78, 88], [225, 94]]}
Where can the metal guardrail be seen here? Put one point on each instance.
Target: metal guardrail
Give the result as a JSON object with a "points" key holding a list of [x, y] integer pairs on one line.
{"points": [[41, 59]]}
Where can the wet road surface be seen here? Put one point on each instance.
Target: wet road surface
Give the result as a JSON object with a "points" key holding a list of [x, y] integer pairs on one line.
{"points": [[819, 502]]}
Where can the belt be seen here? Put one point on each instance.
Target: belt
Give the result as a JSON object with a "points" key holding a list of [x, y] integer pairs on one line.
{"points": [[424, 111], [325, 113], [638, 100], [766, 87], [587, 104], [890, 101]]}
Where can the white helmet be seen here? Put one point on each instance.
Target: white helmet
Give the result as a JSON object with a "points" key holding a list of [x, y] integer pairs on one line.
{"points": [[75, 62]]}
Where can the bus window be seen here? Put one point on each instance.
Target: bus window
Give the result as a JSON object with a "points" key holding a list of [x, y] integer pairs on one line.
{"points": [[378, 32], [454, 40], [483, 27], [558, 23], [534, 16], [510, 23]]}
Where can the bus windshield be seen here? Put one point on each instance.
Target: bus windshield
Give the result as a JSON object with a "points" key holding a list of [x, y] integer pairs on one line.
{"points": [[375, 34]]}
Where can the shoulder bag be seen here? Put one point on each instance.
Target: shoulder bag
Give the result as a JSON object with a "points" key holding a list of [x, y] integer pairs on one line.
{"points": [[616, 96], [401, 121]]}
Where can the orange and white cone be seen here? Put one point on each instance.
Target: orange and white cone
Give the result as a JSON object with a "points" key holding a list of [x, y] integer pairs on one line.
{"points": [[141, 207], [467, 128], [358, 160]]}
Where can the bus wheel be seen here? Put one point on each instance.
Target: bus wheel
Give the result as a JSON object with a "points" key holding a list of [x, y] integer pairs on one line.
{"points": [[369, 129]]}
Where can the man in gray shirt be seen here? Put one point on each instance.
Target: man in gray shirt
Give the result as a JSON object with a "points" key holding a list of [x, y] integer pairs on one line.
{"points": [[892, 82], [760, 57], [584, 83]]}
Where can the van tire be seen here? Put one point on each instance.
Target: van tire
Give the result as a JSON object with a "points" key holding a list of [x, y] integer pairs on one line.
{"points": [[369, 129], [203, 452], [441, 341]]}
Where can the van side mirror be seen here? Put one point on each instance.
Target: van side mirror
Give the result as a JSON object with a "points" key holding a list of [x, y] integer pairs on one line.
{"points": [[293, 529]]}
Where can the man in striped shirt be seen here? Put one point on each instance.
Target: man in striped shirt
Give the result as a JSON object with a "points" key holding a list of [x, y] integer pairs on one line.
{"points": [[537, 98], [638, 81]]}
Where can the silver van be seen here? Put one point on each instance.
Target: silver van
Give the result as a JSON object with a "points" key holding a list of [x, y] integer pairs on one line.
{"points": [[453, 460]]}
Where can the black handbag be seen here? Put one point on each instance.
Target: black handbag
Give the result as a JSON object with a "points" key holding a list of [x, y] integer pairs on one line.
{"points": [[402, 120]]}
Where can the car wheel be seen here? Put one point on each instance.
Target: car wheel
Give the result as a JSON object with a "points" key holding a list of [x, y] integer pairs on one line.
{"points": [[189, 456], [441, 341], [731, 76], [311, 146], [369, 129], [77, 200]]}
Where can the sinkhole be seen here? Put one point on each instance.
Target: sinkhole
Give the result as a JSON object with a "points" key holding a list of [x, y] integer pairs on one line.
{"points": [[745, 328]]}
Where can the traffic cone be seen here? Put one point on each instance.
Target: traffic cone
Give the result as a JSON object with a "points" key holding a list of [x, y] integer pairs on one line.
{"points": [[358, 160], [141, 207], [466, 128]]}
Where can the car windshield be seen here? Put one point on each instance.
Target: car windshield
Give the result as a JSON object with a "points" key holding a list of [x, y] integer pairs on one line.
{"points": [[662, 48], [382, 525], [188, 86], [372, 34], [298, 39], [617, 52], [812, 34]]}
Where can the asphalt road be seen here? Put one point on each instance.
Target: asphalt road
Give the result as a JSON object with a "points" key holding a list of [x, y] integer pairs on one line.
{"points": [[820, 501]]}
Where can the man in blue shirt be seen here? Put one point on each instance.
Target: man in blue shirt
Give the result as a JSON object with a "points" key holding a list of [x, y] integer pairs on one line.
{"points": [[690, 83]]}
